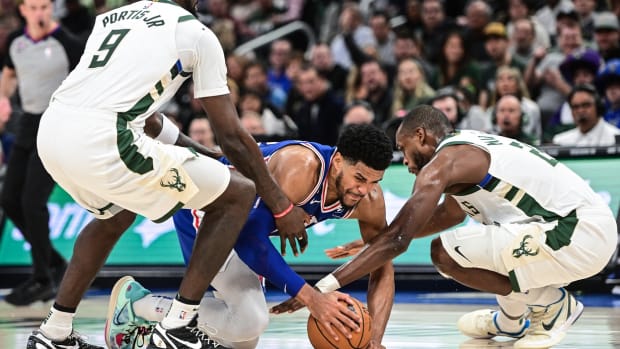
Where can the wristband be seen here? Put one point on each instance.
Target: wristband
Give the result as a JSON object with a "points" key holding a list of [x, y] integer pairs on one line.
{"points": [[169, 131], [284, 213], [328, 284]]}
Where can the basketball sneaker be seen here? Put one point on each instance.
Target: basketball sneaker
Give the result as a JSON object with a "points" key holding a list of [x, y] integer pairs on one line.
{"points": [[123, 329], [482, 324], [38, 340], [186, 337], [550, 323]]}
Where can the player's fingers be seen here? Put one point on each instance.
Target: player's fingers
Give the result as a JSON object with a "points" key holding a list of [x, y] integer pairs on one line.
{"points": [[330, 330], [302, 239], [291, 240], [345, 325], [283, 245]]}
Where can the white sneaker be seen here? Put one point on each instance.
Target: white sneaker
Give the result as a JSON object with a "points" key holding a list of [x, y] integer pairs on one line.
{"points": [[550, 323], [482, 324]]}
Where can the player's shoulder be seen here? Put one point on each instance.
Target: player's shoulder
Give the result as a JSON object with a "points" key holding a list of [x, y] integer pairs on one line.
{"points": [[299, 156]]}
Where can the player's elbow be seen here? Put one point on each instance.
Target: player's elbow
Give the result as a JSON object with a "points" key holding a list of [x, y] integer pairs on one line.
{"points": [[399, 243]]}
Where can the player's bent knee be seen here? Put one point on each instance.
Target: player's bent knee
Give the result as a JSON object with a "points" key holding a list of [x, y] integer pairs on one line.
{"points": [[441, 259]]}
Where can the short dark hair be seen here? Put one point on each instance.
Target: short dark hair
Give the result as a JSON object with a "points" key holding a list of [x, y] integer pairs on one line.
{"points": [[365, 143], [428, 118]]}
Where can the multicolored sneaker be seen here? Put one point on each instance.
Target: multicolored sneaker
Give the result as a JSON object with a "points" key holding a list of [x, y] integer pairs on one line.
{"points": [[123, 329], [482, 324], [550, 323], [38, 340]]}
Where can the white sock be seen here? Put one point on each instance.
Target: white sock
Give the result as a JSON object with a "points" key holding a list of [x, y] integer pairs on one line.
{"points": [[510, 317], [180, 314], [152, 307], [58, 324]]}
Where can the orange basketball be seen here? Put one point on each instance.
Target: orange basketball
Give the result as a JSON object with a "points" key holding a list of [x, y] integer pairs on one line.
{"points": [[320, 338]]}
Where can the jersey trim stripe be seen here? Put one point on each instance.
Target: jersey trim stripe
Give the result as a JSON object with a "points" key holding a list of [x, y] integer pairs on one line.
{"points": [[177, 207], [128, 152], [185, 18], [557, 237]]}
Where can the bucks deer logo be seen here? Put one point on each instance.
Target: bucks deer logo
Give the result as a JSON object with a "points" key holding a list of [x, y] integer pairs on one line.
{"points": [[524, 249], [173, 180]]}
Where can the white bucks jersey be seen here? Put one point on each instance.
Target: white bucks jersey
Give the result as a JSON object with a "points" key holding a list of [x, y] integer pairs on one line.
{"points": [[523, 185], [138, 56]]}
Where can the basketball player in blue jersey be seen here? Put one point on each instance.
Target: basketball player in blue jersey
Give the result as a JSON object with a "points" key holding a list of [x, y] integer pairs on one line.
{"points": [[542, 227], [328, 183]]}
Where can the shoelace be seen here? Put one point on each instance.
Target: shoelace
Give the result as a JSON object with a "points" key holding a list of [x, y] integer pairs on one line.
{"points": [[140, 332], [204, 337]]}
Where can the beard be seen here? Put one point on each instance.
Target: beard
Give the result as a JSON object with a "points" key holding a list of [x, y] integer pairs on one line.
{"points": [[342, 193]]}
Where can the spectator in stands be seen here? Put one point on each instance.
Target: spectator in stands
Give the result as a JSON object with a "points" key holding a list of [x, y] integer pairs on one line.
{"points": [[236, 66], [521, 11], [294, 100], [475, 118], [543, 71], [351, 23], [548, 13], [358, 112], [478, 14], [455, 64], [292, 11], [592, 129], [411, 88], [579, 68], [200, 131], [379, 91], [585, 10], [279, 58], [508, 118], [219, 20], [255, 79], [385, 37], [608, 83], [435, 26], [496, 45], [413, 17], [261, 20], [607, 35], [251, 121], [523, 39], [509, 81], [321, 59], [407, 46], [320, 117], [276, 125], [449, 101]]}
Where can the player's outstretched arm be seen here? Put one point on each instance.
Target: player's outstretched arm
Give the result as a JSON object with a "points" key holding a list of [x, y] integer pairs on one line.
{"points": [[242, 151]]}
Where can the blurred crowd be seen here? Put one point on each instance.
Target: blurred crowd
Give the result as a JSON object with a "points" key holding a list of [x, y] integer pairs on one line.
{"points": [[542, 72]]}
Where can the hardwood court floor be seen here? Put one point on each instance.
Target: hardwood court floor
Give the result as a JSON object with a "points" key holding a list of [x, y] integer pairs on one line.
{"points": [[417, 321]]}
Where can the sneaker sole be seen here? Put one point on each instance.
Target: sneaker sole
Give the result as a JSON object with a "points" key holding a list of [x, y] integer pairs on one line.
{"points": [[116, 290]]}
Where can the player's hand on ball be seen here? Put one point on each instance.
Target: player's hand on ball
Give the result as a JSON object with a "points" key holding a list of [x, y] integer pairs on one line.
{"points": [[290, 305], [333, 314]]}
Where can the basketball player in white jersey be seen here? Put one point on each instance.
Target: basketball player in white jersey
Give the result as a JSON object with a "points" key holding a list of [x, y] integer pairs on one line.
{"points": [[542, 228], [100, 140]]}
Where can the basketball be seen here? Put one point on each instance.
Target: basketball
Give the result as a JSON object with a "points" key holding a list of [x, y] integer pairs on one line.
{"points": [[320, 338]]}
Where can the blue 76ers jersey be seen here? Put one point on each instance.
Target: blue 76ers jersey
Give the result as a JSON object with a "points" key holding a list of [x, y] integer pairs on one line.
{"points": [[260, 220]]}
